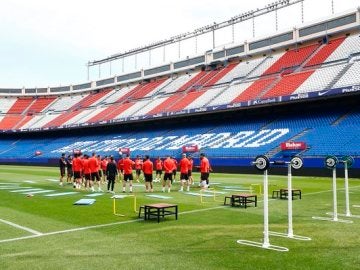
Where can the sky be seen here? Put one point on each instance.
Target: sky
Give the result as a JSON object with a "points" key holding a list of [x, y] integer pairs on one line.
{"points": [[48, 43]]}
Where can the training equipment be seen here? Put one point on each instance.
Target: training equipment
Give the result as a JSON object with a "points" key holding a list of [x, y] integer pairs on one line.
{"points": [[330, 163], [296, 163], [29, 195], [347, 161], [84, 202], [117, 197], [266, 243], [205, 192], [262, 163]]}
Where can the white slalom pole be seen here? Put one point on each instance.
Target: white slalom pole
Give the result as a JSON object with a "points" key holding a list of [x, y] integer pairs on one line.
{"points": [[290, 221], [347, 199], [335, 214], [290, 232], [262, 163], [266, 242]]}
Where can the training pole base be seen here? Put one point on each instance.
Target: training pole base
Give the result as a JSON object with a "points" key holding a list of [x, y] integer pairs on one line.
{"points": [[344, 215], [333, 220], [286, 235], [262, 245]]}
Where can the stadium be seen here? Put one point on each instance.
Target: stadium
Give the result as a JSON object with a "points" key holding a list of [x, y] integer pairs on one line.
{"points": [[292, 93]]}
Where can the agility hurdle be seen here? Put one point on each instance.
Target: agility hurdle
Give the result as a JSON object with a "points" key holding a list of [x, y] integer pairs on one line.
{"points": [[330, 163], [117, 197], [253, 186], [205, 193]]}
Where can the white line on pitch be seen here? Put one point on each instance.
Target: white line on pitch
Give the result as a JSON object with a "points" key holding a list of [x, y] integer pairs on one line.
{"points": [[121, 222], [96, 226], [20, 227]]}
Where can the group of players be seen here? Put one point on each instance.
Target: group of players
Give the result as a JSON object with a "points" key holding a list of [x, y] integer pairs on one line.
{"points": [[88, 172]]}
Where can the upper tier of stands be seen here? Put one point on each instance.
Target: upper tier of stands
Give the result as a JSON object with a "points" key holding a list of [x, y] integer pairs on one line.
{"points": [[302, 69]]}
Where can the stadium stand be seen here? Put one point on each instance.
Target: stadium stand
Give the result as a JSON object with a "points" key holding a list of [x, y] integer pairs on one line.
{"points": [[20, 105], [350, 46], [240, 137], [291, 59], [6, 104], [64, 103], [255, 89], [287, 84], [302, 69], [91, 99], [9, 121], [325, 51], [320, 78], [351, 76], [40, 104]]}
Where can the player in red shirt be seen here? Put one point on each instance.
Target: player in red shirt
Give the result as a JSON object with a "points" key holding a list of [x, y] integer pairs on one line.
{"points": [[184, 171], [103, 165], [175, 168], [204, 170], [77, 168], [158, 167], [128, 176], [87, 173], [148, 168], [169, 166], [191, 179], [120, 167], [138, 168], [100, 172], [94, 170]]}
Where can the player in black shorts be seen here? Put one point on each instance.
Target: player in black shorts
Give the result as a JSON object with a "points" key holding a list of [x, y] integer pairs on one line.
{"points": [[69, 169], [62, 165], [111, 172]]}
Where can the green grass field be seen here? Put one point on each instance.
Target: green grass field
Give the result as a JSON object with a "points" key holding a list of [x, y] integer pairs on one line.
{"points": [[51, 233]]}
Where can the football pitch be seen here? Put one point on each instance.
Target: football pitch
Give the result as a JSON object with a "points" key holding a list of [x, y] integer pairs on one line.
{"points": [[49, 232]]}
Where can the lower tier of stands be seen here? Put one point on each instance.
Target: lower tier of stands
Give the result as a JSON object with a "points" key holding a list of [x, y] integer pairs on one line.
{"points": [[325, 132]]}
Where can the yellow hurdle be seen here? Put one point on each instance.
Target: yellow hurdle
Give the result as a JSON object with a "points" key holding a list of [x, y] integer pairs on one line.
{"points": [[116, 197], [258, 188], [202, 191]]}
